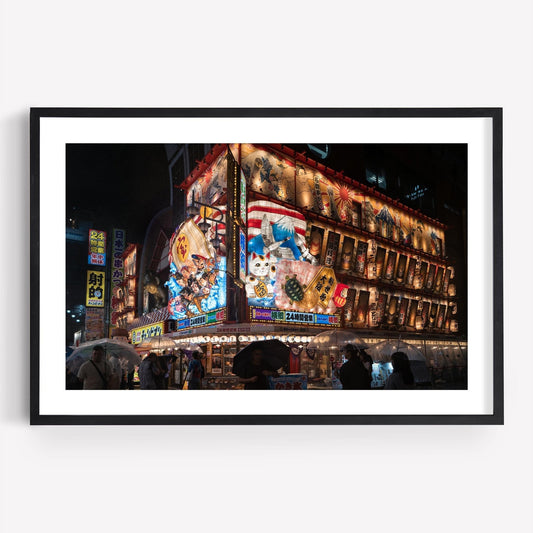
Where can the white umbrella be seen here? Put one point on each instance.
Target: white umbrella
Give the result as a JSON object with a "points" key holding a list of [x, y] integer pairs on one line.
{"points": [[444, 356], [190, 347], [159, 342], [335, 339], [383, 351], [111, 347]]}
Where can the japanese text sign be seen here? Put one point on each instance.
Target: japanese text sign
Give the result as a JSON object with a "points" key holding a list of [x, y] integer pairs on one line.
{"points": [[117, 264], [97, 246], [95, 288]]}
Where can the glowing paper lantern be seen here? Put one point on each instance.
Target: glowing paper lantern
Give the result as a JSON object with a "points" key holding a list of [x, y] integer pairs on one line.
{"points": [[451, 290], [372, 270]]}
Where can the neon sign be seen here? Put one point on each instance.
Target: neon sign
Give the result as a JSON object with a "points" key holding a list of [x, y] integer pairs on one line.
{"points": [[97, 245], [214, 317], [152, 330], [259, 314]]}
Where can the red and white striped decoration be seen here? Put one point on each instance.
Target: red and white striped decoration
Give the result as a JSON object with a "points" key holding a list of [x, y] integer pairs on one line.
{"points": [[257, 210]]}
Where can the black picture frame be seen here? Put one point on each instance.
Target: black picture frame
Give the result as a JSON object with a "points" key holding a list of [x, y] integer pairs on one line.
{"points": [[495, 115]]}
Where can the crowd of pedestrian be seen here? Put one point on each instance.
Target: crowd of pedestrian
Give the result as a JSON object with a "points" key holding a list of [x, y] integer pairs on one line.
{"points": [[155, 372], [113, 372], [356, 372]]}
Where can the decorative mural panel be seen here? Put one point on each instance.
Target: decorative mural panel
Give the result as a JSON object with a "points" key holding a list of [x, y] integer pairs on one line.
{"points": [[211, 186], [282, 273], [197, 281], [268, 173]]}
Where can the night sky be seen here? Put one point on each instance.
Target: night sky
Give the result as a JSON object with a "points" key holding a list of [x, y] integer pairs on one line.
{"points": [[117, 185]]}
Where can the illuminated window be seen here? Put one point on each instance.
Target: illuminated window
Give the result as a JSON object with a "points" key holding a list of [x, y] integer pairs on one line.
{"points": [[377, 179], [418, 192]]}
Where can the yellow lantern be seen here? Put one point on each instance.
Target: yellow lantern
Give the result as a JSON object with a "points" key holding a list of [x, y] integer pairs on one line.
{"points": [[419, 323], [451, 289], [454, 326]]}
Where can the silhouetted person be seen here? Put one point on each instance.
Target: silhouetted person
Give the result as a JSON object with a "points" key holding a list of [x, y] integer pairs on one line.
{"points": [[149, 370], [353, 374], [402, 376], [256, 372], [195, 372]]}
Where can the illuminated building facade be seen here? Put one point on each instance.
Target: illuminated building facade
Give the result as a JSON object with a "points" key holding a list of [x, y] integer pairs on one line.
{"points": [[277, 245]]}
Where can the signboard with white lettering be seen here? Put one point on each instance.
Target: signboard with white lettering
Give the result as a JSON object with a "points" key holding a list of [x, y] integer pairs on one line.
{"points": [[97, 244], [214, 317]]}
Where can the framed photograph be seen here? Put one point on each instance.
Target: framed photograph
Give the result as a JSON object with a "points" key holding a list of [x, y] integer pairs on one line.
{"points": [[135, 272]]}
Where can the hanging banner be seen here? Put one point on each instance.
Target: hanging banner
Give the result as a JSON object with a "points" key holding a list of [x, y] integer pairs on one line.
{"points": [[360, 258], [431, 277], [95, 288], [97, 245], [348, 307], [331, 248], [117, 264], [345, 260]]}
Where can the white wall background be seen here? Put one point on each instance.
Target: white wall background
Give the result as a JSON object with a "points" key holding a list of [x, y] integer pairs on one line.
{"points": [[209, 53]]}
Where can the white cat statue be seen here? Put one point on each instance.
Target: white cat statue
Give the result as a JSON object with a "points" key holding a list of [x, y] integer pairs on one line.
{"points": [[262, 273]]}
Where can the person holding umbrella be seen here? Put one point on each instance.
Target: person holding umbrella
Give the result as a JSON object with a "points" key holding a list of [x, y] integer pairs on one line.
{"points": [[255, 373], [353, 374]]}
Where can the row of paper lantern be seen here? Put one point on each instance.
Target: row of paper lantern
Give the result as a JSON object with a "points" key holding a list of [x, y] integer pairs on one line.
{"points": [[216, 339]]}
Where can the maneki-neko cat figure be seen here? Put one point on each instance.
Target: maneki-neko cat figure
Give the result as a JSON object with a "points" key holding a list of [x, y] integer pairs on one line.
{"points": [[259, 283]]}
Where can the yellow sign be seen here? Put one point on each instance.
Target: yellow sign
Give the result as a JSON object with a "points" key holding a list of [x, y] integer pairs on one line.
{"points": [[95, 288], [321, 289], [152, 330]]}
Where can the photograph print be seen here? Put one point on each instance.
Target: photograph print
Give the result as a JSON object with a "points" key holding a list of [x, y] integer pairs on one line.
{"points": [[332, 267]]}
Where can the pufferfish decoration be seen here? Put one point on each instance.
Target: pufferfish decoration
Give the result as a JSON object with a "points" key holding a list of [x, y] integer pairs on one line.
{"points": [[294, 289]]}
